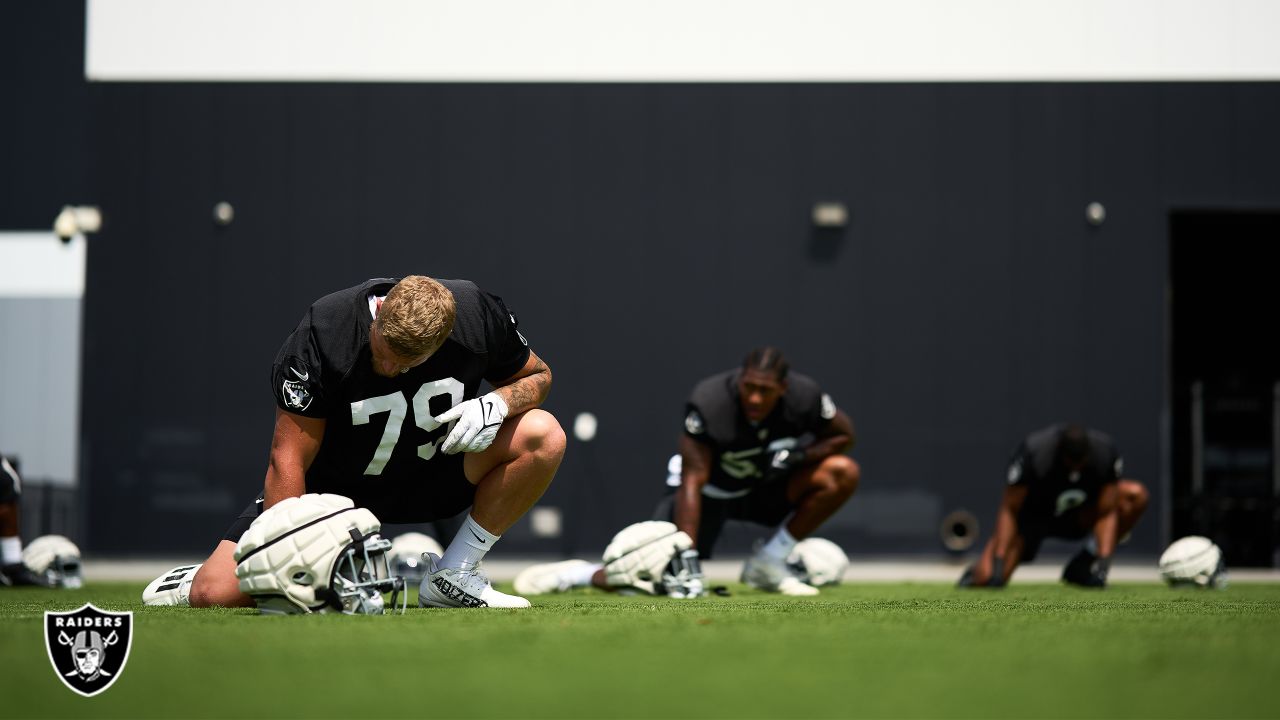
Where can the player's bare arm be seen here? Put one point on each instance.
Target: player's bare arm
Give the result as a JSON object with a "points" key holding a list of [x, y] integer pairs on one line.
{"points": [[1104, 528], [1007, 518], [293, 446], [528, 388], [695, 470], [836, 438]]}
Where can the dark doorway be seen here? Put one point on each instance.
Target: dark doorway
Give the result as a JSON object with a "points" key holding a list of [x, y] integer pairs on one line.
{"points": [[1225, 369]]}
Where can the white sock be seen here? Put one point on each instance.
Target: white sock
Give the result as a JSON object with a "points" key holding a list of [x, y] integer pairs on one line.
{"points": [[780, 545], [11, 550], [581, 575], [469, 546]]}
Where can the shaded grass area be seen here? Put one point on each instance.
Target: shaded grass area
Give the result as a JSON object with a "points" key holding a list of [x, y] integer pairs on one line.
{"points": [[880, 650]]}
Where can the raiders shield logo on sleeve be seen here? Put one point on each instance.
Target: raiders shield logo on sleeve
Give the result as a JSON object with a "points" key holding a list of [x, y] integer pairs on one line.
{"points": [[295, 395], [88, 647], [1015, 472], [828, 410], [693, 423]]}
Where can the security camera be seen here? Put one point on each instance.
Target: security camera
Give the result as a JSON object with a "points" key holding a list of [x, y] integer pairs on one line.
{"points": [[64, 226], [73, 221]]}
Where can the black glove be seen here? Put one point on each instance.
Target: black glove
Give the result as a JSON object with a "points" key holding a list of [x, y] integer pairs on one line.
{"points": [[997, 573], [1098, 573], [1087, 570]]}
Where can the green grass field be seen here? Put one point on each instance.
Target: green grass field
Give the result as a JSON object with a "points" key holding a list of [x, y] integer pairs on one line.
{"points": [[874, 650]]}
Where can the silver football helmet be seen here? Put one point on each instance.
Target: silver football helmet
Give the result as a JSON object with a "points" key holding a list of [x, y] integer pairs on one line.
{"points": [[1193, 561], [819, 562], [317, 553], [56, 559], [408, 555], [643, 555]]}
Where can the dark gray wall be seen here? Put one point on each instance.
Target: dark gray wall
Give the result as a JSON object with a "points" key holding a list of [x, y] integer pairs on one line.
{"points": [[44, 129], [44, 126], [649, 235]]}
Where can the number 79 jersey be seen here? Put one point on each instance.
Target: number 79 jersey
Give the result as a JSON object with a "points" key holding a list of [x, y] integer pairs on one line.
{"points": [[381, 444]]}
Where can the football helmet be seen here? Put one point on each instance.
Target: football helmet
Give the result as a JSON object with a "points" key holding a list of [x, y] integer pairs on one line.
{"points": [[1193, 561], [641, 554], [407, 555], [56, 559], [818, 562], [317, 553]]}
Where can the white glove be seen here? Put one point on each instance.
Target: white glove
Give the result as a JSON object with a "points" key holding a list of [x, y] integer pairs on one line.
{"points": [[478, 423]]}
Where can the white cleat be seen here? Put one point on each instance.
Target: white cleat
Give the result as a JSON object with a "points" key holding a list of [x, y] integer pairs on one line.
{"points": [[549, 577], [796, 588], [171, 588], [770, 575], [453, 587]]}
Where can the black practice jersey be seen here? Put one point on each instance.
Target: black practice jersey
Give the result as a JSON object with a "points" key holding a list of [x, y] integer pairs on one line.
{"points": [[741, 451], [1053, 492], [380, 435]]}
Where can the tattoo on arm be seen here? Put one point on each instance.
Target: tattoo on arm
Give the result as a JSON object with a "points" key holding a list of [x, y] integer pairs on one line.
{"points": [[528, 391]]}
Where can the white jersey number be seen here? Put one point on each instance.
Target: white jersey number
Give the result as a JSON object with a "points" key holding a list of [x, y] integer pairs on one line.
{"points": [[396, 406]]}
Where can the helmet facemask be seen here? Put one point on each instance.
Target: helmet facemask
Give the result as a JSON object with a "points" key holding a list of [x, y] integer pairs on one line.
{"points": [[361, 574], [65, 572], [1215, 579]]}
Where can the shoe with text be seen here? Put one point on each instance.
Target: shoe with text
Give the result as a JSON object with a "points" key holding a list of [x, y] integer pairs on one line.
{"points": [[461, 587]]}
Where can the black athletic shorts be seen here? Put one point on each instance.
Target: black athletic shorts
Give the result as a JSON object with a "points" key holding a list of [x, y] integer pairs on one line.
{"points": [[765, 505], [452, 495], [1034, 529]]}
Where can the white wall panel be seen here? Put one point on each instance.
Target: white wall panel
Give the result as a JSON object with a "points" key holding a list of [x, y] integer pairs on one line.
{"points": [[682, 40], [41, 285]]}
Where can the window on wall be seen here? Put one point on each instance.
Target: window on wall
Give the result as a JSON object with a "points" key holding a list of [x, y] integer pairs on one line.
{"points": [[41, 287]]}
